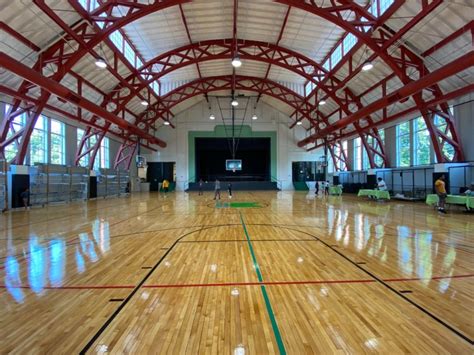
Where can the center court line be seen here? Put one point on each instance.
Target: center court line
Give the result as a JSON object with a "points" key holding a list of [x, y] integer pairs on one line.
{"points": [[276, 330], [224, 284]]}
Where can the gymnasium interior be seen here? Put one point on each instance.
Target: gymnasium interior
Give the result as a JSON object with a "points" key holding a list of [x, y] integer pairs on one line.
{"points": [[237, 176]]}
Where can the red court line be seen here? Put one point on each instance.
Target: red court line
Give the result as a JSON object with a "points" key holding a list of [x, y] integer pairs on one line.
{"points": [[78, 287], [223, 284]]}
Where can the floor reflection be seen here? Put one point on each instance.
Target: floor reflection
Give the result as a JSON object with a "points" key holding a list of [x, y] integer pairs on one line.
{"points": [[44, 261]]}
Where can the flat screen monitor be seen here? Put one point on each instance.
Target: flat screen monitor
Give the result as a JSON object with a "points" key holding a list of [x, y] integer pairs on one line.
{"points": [[233, 164]]}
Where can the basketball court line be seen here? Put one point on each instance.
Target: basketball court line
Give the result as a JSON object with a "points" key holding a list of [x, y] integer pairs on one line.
{"points": [[134, 291], [383, 282], [225, 284], [268, 305]]}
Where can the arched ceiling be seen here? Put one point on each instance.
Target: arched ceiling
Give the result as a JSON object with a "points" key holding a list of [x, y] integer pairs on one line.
{"points": [[284, 43]]}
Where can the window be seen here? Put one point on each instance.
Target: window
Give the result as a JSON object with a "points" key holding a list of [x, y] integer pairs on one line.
{"points": [[156, 87], [104, 154], [327, 65], [403, 144], [58, 140], [365, 156], [330, 166], [441, 124], [117, 39], [39, 141], [422, 143], [308, 89], [84, 161], [129, 53], [357, 154], [83, 3], [342, 164], [373, 8], [336, 56], [18, 123], [139, 63], [92, 142], [377, 158], [384, 5], [349, 42]]}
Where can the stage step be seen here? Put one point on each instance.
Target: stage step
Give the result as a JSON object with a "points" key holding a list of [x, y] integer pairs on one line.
{"points": [[237, 186]]}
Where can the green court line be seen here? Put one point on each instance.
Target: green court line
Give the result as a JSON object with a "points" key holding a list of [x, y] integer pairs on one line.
{"points": [[276, 331], [244, 204]]}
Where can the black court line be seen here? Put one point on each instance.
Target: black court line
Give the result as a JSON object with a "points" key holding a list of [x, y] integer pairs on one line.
{"points": [[134, 291], [421, 308], [245, 240]]}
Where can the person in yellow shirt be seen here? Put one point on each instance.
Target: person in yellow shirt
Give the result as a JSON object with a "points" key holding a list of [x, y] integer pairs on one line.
{"points": [[440, 187], [166, 185]]}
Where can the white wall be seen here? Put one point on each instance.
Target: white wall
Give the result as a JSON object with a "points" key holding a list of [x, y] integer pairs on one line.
{"points": [[196, 118]]}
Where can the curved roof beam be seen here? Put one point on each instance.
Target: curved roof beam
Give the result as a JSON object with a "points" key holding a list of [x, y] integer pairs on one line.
{"points": [[60, 54], [398, 61], [224, 49], [224, 82]]}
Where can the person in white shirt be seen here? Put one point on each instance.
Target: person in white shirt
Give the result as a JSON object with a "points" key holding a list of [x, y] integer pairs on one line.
{"points": [[326, 187], [469, 191], [381, 185]]}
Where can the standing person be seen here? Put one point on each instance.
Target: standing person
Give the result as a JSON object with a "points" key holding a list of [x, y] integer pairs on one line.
{"points": [[217, 189], [316, 188], [166, 185], [229, 189], [326, 187], [381, 185], [440, 187], [201, 184], [25, 197]]}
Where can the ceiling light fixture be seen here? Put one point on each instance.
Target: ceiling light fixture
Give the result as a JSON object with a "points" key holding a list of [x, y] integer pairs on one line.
{"points": [[367, 66], [254, 117], [234, 103], [212, 117], [322, 102], [166, 123], [144, 103], [236, 63], [299, 123], [101, 63]]}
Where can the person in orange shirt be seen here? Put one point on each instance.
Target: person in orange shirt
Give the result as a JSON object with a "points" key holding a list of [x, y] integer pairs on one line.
{"points": [[440, 187]]}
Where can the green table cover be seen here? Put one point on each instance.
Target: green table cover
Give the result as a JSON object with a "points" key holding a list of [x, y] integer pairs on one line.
{"points": [[335, 190], [376, 193], [468, 201]]}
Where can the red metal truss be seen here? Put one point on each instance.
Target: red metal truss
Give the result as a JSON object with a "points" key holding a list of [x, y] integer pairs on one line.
{"points": [[219, 83], [413, 88], [339, 156], [53, 87], [429, 104], [124, 155], [224, 49], [62, 55], [79, 118], [82, 37], [376, 35]]}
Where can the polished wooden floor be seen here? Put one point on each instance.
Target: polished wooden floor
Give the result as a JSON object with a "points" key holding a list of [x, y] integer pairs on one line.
{"points": [[179, 275]]}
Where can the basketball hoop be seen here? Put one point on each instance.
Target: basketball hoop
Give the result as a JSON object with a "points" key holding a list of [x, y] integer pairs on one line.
{"points": [[233, 170]]}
